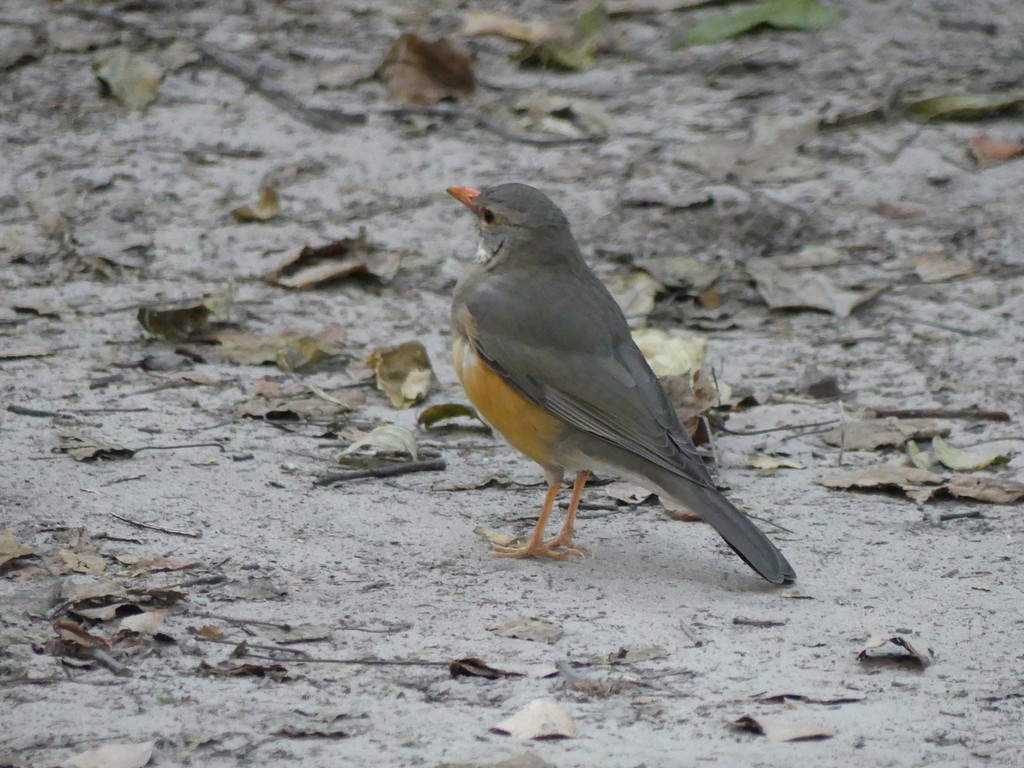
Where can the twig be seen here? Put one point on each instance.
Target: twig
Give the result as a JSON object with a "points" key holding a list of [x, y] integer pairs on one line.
{"points": [[243, 647], [787, 427], [959, 515], [367, 662], [689, 633], [330, 478], [213, 578], [108, 661], [764, 623], [23, 411], [179, 446], [232, 620], [150, 526], [122, 480], [978, 414]]}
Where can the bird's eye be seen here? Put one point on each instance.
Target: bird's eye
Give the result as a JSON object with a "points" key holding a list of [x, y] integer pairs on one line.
{"points": [[488, 216]]}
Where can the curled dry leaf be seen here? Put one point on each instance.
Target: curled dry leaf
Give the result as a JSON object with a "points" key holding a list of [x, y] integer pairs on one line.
{"points": [[435, 414], [145, 623], [917, 649], [540, 719], [122, 755], [81, 562], [477, 23], [777, 729], [183, 322], [298, 406], [315, 267], [768, 463], [538, 630], [75, 634], [421, 72], [403, 372], [83, 447], [994, 490], [964, 106], [495, 537], [869, 434], [12, 550], [132, 80], [388, 438], [798, 15], [681, 271], [267, 208], [474, 667], [991, 152], [959, 460]]}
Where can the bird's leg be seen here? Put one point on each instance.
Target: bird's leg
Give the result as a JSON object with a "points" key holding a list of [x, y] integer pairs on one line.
{"points": [[564, 537], [536, 546]]}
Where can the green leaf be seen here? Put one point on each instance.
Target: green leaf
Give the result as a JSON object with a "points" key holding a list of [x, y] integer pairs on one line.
{"points": [[964, 106], [801, 15], [959, 460], [575, 54], [444, 412]]}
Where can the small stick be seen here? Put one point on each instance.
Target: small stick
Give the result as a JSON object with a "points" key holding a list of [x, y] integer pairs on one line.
{"points": [[689, 633], [978, 414], [232, 620], [213, 578], [764, 623], [245, 645], [108, 661], [176, 447], [367, 662], [330, 478], [138, 524], [959, 515], [784, 428]]}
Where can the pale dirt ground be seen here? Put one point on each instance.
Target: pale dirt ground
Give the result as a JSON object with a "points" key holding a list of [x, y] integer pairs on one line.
{"points": [[392, 566]]}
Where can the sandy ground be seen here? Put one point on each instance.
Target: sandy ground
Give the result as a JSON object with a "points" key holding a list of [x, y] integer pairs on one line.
{"points": [[103, 210]]}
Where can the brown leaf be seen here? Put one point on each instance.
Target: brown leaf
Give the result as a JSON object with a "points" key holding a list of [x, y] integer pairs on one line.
{"points": [[538, 630], [298, 407], [11, 549], [75, 634], [404, 372], [183, 322], [780, 730], [419, 72], [83, 447], [991, 152], [315, 267], [880, 476], [290, 350], [869, 434], [473, 667], [79, 562], [991, 489], [787, 697], [918, 650], [276, 672], [267, 208], [805, 289], [502, 25]]}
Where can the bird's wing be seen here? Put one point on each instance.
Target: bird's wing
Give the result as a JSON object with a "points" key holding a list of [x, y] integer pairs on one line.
{"points": [[593, 377]]}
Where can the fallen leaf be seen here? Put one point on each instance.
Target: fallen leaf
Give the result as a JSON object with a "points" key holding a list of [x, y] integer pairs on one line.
{"points": [[937, 267], [805, 289], [302, 406], [473, 667], [869, 434], [537, 630], [989, 152], [765, 462], [960, 460], [496, 537], [681, 271], [388, 438], [298, 633], [435, 414], [629, 493], [571, 117], [573, 52], [787, 697], [11, 549], [419, 72], [994, 490], [964, 106], [918, 458], [799, 15], [267, 208], [183, 322], [634, 292], [630, 655], [132, 80], [404, 372], [121, 755], [540, 719], [632, 7], [83, 447], [316, 267], [918, 650], [89, 564], [290, 350], [881, 477], [329, 725], [779, 730], [276, 672], [145, 623], [670, 355], [75, 634], [482, 23]]}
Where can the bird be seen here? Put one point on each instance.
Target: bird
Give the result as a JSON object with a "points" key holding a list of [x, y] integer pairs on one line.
{"points": [[545, 355]]}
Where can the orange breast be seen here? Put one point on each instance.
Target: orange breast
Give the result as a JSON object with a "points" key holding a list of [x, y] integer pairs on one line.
{"points": [[527, 427]]}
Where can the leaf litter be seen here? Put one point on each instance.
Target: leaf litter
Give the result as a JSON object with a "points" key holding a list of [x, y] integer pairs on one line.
{"points": [[918, 650], [420, 72], [266, 208], [540, 719], [535, 629], [783, 730], [797, 15], [404, 372], [131, 79], [314, 267]]}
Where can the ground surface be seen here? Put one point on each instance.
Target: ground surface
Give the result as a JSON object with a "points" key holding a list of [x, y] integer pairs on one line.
{"points": [[103, 210]]}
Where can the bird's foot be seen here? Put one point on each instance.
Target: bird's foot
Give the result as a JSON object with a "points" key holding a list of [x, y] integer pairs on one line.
{"points": [[540, 549], [565, 541]]}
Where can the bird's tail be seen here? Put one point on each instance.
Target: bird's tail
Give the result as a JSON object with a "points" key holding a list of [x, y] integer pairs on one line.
{"points": [[732, 524]]}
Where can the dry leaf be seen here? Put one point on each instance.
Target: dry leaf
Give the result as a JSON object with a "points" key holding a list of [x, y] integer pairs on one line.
{"points": [[130, 79], [869, 434], [388, 438], [765, 462], [113, 756], [276, 672], [290, 350], [431, 416], [83, 447], [473, 667], [76, 635], [994, 490], [787, 697], [89, 564], [267, 208], [991, 152], [183, 322], [11, 549], [419, 72], [298, 633], [880, 476], [630, 655], [315, 267], [918, 458], [298, 407], [477, 23], [670, 355], [495, 537], [918, 650], [540, 719], [779, 730], [629, 493], [634, 292], [538, 630], [964, 106], [145, 623], [573, 52], [403, 372], [805, 289], [681, 271], [937, 267], [960, 460]]}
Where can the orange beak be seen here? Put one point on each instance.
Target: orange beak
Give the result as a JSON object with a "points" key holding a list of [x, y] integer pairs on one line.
{"points": [[465, 195]]}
